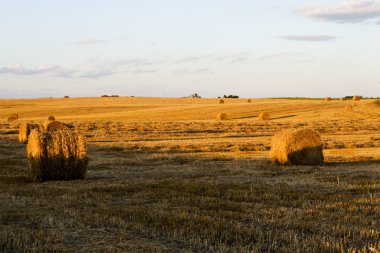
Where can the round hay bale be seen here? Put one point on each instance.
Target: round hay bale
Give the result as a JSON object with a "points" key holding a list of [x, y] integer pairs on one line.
{"points": [[56, 156], [356, 98], [249, 101], [51, 118], [12, 117], [221, 101], [328, 99], [297, 147], [349, 107], [264, 116], [52, 126], [221, 116], [25, 129], [66, 97]]}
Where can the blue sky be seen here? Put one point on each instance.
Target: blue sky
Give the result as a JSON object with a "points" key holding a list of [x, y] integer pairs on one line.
{"points": [[167, 48]]}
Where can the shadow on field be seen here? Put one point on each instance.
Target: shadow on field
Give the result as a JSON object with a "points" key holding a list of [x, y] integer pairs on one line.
{"points": [[284, 117]]}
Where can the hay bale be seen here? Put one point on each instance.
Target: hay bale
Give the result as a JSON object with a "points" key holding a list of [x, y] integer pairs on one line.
{"points": [[221, 116], [328, 99], [249, 101], [57, 155], [12, 117], [52, 126], [349, 107], [356, 98], [264, 116], [342, 99], [221, 101], [25, 129], [51, 118], [297, 147], [66, 97]]}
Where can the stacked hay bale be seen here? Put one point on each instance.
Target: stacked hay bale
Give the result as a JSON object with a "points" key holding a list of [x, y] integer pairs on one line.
{"points": [[221, 101], [51, 118], [297, 147], [57, 155], [25, 129], [12, 117], [264, 116], [328, 99], [221, 116]]}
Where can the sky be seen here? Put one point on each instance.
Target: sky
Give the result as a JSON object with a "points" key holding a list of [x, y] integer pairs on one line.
{"points": [[174, 48]]}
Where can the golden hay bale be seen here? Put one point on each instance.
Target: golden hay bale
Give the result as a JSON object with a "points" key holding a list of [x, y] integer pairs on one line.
{"points": [[356, 98], [221, 116], [25, 129], [264, 116], [249, 100], [12, 117], [51, 118], [221, 101], [52, 126], [301, 146], [328, 99], [57, 155]]}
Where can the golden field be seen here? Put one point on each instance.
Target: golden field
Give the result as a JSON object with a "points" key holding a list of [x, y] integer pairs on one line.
{"points": [[166, 176]]}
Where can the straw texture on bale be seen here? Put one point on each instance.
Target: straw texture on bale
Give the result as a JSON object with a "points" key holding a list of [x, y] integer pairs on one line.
{"points": [[25, 129], [356, 98], [52, 126], [221, 116], [221, 101], [56, 156], [264, 116], [51, 118], [328, 99], [297, 147]]}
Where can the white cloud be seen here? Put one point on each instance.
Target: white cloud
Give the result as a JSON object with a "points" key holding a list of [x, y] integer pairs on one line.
{"points": [[192, 71], [97, 73], [194, 58], [353, 11], [145, 71], [276, 55], [20, 69], [311, 38], [89, 41], [231, 58], [53, 70]]}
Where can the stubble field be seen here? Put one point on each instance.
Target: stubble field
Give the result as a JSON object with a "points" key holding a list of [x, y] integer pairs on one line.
{"points": [[166, 176]]}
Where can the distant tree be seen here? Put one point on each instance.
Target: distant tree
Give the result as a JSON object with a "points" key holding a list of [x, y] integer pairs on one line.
{"points": [[195, 95], [231, 96]]}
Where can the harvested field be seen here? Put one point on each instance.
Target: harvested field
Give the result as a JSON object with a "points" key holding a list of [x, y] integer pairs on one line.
{"points": [[166, 176]]}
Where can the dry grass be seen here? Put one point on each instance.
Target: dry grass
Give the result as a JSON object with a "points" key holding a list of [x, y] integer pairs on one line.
{"points": [[184, 182]]}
